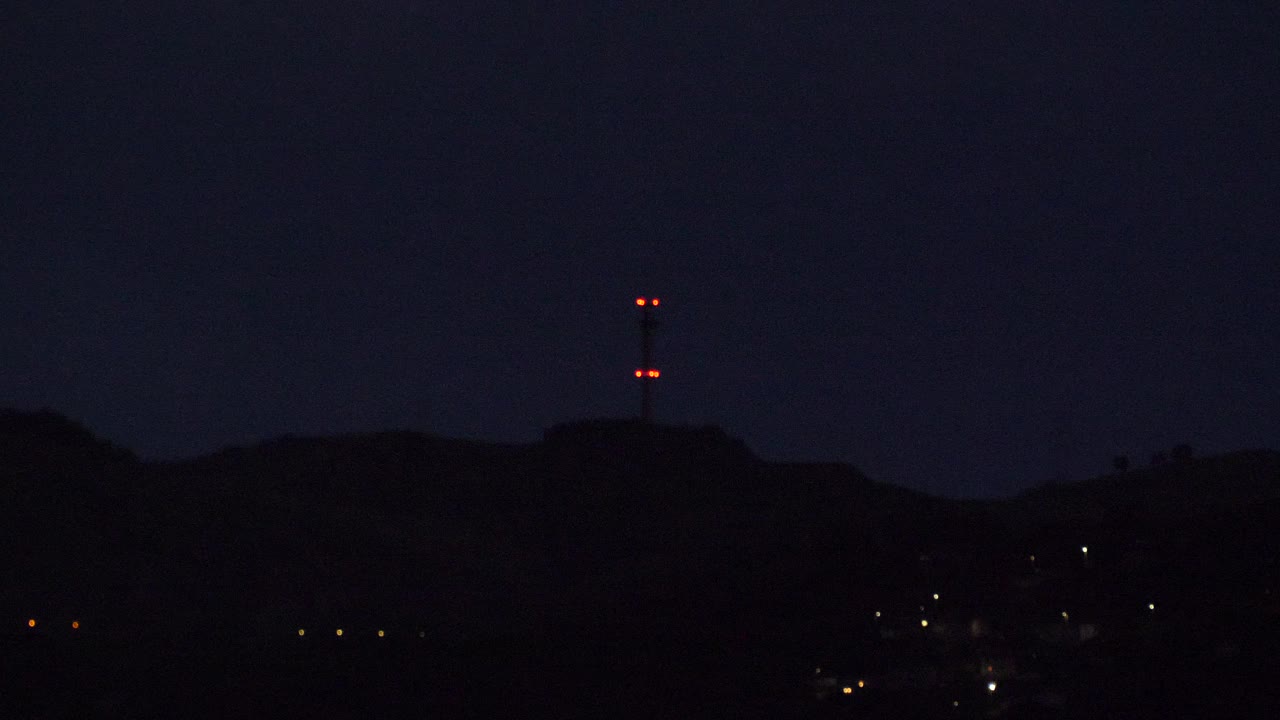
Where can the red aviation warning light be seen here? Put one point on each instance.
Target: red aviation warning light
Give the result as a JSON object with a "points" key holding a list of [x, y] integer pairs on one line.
{"points": [[653, 373], [641, 301], [639, 373]]}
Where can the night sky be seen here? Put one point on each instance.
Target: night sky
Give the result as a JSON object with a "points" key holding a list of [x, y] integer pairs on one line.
{"points": [[966, 247]]}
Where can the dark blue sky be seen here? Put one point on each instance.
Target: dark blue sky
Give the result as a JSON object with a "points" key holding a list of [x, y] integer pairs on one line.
{"points": [[967, 249]]}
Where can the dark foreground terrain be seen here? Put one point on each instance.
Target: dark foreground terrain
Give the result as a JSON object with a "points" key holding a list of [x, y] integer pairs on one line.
{"points": [[619, 570]]}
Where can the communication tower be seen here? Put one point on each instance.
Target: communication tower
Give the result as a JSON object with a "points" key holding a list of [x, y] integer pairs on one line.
{"points": [[647, 373]]}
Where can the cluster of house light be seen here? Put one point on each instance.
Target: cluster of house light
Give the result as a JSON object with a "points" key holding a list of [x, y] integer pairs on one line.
{"points": [[32, 623], [848, 689], [339, 632], [991, 685]]}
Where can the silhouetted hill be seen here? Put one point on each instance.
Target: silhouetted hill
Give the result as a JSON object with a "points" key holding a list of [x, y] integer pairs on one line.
{"points": [[1152, 501], [66, 512], [1181, 486], [610, 544]]}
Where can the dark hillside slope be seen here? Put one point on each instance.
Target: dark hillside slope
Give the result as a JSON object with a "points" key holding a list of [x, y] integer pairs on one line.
{"points": [[458, 538], [614, 566], [68, 512]]}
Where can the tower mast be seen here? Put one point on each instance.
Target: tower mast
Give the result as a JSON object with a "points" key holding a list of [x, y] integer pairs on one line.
{"points": [[647, 373]]}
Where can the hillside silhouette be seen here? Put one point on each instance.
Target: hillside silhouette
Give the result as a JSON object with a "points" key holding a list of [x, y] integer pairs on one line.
{"points": [[672, 556]]}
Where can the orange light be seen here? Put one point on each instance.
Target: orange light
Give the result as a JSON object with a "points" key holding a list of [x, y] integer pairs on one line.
{"points": [[640, 301], [339, 632], [302, 632], [75, 624], [862, 683], [848, 691], [31, 622], [381, 634], [655, 302], [639, 373]]}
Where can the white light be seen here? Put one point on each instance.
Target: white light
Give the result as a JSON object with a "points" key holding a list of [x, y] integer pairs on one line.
{"points": [[935, 596], [924, 623], [1084, 549], [877, 613], [991, 686], [1151, 606]]}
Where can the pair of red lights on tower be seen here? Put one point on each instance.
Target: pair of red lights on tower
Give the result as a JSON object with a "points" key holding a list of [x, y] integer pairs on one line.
{"points": [[647, 301], [648, 373]]}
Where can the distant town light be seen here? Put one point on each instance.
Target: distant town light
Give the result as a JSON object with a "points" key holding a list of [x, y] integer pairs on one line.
{"points": [[1152, 606], [339, 632], [935, 596], [1065, 616], [955, 703], [862, 683], [1033, 558], [991, 686], [847, 690], [75, 624], [301, 632], [421, 634], [877, 613], [31, 623], [381, 634], [924, 623], [1084, 549]]}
